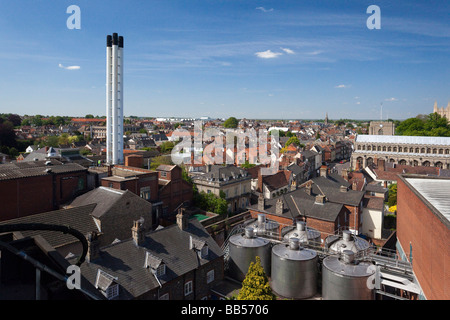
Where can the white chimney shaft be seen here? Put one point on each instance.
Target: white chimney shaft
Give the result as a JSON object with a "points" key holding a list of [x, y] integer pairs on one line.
{"points": [[114, 87]]}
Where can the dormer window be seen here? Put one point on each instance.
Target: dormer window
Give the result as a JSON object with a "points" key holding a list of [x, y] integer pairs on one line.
{"points": [[199, 246], [107, 284], [157, 265]]}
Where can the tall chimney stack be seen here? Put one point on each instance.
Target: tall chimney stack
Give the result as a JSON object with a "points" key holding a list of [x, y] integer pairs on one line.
{"points": [[114, 99]]}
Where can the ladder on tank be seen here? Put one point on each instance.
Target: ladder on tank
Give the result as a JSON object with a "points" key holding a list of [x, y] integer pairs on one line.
{"points": [[226, 247]]}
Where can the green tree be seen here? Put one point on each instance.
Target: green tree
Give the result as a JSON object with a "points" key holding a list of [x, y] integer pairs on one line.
{"points": [[157, 161], [430, 125], [256, 284], [392, 195], [231, 122], [167, 146], [293, 140]]}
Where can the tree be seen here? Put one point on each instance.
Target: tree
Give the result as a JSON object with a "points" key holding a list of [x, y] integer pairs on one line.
{"points": [[430, 125], [157, 161], [231, 122], [293, 140], [166, 147], [256, 284], [392, 195]]}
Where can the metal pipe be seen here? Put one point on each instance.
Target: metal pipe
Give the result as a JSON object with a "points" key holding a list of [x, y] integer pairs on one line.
{"points": [[38, 284]]}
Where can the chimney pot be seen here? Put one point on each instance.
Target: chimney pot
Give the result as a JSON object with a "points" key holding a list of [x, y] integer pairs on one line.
{"points": [[93, 246], [182, 219], [138, 232], [261, 202]]}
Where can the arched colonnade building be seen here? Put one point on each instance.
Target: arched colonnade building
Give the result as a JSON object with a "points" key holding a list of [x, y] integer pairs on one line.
{"points": [[404, 150]]}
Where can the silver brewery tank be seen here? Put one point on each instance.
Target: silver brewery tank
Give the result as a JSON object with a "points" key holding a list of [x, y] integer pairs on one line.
{"points": [[346, 278], [264, 227], [305, 234], [294, 270], [243, 250], [335, 244]]}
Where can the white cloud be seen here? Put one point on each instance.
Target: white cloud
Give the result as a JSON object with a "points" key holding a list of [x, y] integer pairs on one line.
{"points": [[69, 67], [314, 53], [268, 54], [288, 51], [391, 99], [264, 9], [343, 86]]}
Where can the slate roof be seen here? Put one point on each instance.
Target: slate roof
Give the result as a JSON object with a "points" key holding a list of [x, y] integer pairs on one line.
{"points": [[229, 172], [126, 261], [102, 196], [298, 203], [78, 218], [330, 186]]}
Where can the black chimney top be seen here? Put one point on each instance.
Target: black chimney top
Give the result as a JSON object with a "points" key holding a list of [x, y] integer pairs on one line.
{"points": [[115, 39], [120, 42], [109, 41]]}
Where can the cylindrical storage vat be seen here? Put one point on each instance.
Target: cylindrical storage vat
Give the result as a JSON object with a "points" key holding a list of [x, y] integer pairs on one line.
{"points": [[345, 278], [305, 234], [348, 241], [243, 250], [294, 270]]}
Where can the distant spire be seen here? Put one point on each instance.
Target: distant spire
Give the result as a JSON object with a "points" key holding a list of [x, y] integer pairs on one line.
{"points": [[435, 108]]}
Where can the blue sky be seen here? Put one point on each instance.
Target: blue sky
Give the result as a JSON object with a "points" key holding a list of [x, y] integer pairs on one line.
{"points": [[290, 59]]}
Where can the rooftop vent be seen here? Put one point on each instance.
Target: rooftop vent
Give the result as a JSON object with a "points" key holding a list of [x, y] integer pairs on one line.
{"points": [[249, 233]]}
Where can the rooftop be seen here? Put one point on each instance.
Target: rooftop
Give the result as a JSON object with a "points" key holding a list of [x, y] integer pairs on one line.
{"points": [[404, 139], [435, 191]]}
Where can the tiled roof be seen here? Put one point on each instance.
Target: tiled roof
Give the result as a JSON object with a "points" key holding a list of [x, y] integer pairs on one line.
{"points": [[125, 260], [102, 196], [78, 218], [36, 168], [298, 203], [275, 181]]}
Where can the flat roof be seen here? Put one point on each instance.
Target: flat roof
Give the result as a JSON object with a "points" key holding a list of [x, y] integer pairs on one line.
{"points": [[441, 141], [435, 191]]}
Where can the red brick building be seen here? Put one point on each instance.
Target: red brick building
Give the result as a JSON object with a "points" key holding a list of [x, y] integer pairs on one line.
{"points": [[173, 190], [142, 182], [39, 186], [423, 231]]}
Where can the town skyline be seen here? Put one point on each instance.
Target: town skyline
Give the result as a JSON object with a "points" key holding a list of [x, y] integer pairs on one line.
{"points": [[258, 60]]}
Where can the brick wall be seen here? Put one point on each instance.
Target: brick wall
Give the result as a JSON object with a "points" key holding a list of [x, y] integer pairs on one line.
{"points": [[31, 195], [419, 227]]}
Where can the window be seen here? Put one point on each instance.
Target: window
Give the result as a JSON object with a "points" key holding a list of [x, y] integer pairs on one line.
{"points": [[204, 252], [210, 276], [112, 291], [188, 286], [145, 193], [161, 270], [163, 174]]}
